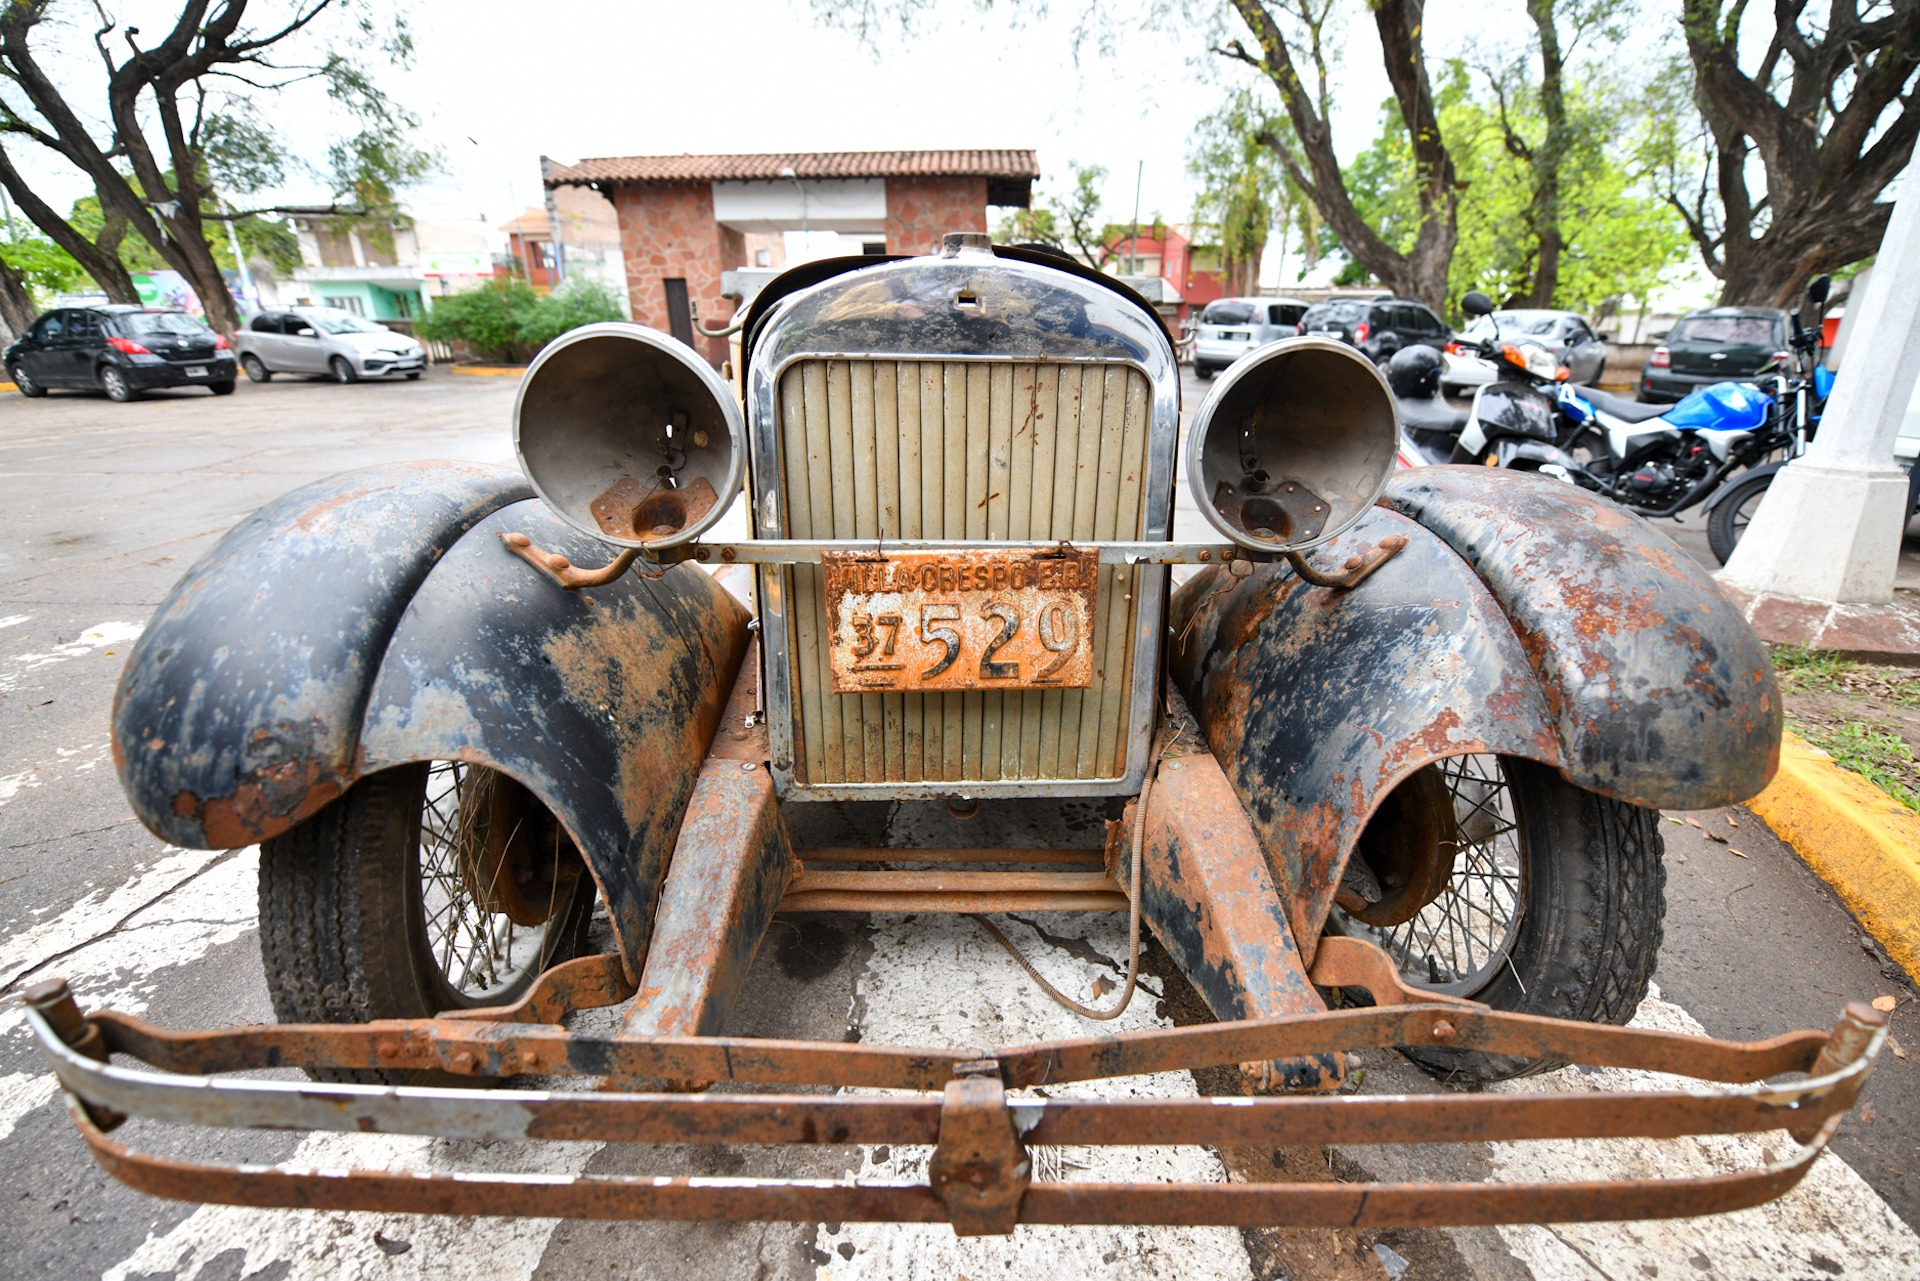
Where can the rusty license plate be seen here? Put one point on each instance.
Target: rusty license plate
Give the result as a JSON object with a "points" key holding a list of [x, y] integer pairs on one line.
{"points": [[961, 620]]}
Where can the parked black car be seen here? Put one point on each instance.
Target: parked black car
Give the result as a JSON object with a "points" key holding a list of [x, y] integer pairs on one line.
{"points": [[1714, 345], [1378, 327], [121, 350]]}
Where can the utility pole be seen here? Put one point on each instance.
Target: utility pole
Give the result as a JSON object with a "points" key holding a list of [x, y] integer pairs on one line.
{"points": [[239, 259], [1133, 243], [553, 220]]}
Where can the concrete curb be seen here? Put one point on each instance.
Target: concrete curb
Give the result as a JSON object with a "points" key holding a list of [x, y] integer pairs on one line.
{"points": [[480, 371], [1859, 840]]}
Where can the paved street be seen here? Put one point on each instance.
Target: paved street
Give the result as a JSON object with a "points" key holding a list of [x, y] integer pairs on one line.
{"points": [[105, 505]]}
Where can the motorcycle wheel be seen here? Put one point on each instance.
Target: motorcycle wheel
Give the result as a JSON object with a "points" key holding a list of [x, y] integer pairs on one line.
{"points": [[388, 903], [1552, 903], [1730, 516]]}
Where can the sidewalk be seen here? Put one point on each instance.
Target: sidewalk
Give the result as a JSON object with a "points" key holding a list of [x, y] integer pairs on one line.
{"points": [[1873, 633]]}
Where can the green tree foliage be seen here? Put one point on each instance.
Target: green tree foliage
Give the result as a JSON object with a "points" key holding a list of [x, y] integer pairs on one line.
{"points": [[506, 320], [174, 145], [47, 268], [1241, 181], [1069, 223], [1620, 239]]}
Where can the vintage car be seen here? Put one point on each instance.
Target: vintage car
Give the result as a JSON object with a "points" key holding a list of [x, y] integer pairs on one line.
{"points": [[1383, 773]]}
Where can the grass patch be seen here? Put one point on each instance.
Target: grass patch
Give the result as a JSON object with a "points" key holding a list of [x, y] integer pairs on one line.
{"points": [[1875, 753], [1801, 669], [1865, 716]]}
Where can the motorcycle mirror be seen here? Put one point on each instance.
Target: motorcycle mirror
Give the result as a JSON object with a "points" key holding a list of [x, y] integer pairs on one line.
{"points": [[1476, 304], [1818, 290]]}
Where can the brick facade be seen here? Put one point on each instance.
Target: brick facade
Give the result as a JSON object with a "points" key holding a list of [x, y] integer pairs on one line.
{"points": [[667, 232], [921, 210]]}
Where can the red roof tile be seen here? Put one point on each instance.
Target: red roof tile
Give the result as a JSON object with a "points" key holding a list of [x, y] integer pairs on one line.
{"points": [[805, 164]]}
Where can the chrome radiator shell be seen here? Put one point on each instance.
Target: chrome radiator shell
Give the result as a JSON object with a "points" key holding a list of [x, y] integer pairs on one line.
{"points": [[845, 384]]}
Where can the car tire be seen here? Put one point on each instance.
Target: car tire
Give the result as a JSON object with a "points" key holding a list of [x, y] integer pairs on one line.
{"points": [[113, 381], [414, 377], [348, 911], [1727, 521], [342, 370], [1571, 881], [256, 369], [24, 383], [221, 388], [1203, 372]]}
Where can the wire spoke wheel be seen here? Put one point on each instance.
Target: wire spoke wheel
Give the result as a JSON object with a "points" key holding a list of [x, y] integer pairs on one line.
{"points": [[478, 951], [1459, 940], [425, 888], [1494, 878]]}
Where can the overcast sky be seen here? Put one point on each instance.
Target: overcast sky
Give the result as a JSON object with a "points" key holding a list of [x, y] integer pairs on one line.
{"points": [[499, 82]]}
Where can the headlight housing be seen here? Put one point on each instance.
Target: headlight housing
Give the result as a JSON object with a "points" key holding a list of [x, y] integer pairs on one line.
{"points": [[1293, 444], [629, 435]]}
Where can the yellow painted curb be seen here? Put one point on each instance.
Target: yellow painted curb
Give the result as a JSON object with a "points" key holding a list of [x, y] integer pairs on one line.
{"points": [[479, 372], [8, 387], [1856, 838]]}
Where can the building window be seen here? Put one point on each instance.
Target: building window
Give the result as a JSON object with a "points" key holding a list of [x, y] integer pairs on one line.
{"points": [[349, 303], [403, 306], [763, 258]]}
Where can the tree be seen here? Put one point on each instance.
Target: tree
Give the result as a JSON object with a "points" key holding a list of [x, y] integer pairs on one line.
{"points": [[179, 135], [31, 267], [1068, 223], [1829, 107], [1617, 236], [1546, 152], [1286, 32], [1242, 186]]}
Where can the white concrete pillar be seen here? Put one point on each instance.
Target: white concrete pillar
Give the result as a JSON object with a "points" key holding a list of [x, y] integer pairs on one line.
{"points": [[1830, 526]]}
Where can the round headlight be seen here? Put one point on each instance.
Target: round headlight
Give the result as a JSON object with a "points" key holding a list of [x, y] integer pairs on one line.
{"points": [[1292, 445], [629, 435]]}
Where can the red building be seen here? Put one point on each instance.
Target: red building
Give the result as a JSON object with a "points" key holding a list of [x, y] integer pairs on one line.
{"points": [[1191, 272], [684, 219]]}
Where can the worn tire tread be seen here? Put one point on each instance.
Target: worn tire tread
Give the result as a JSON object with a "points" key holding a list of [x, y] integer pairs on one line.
{"points": [[1595, 918]]}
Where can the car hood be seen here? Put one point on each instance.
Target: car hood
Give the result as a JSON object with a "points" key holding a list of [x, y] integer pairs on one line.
{"points": [[386, 340]]}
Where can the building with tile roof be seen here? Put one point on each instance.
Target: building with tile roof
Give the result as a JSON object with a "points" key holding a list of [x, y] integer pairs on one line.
{"points": [[686, 219]]}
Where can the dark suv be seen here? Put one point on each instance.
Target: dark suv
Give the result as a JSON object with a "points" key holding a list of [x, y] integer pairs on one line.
{"points": [[121, 350], [1378, 327], [1717, 344]]}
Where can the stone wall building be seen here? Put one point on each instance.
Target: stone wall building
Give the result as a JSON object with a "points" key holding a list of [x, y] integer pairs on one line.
{"points": [[686, 219]]}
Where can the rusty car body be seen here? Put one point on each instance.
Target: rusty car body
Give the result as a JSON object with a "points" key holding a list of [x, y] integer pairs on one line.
{"points": [[459, 707]]}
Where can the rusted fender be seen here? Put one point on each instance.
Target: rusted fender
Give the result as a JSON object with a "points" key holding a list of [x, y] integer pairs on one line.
{"points": [[293, 660], [601, 702], [1317, 702], [1659, 691], [239, 711]]}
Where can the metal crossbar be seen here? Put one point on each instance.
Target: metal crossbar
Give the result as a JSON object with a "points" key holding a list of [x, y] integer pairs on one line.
{"points": [[979, 1177]]}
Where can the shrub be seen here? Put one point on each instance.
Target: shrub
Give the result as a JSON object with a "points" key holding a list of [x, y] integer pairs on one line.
{"points": [[506, 320], [579, 302]]}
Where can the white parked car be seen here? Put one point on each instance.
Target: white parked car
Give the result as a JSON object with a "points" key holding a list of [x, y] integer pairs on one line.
{"points": [[326, 341]]}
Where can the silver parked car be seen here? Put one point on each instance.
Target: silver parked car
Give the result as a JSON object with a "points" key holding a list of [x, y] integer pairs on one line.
{"points": [[1229, 328], [328, 341], [1565, 334]]}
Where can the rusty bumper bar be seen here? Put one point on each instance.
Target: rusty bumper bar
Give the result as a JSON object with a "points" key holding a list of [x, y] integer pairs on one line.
{"points": [[979, 1175]]}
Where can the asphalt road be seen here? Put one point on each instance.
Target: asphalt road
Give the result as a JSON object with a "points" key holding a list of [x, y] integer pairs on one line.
{"points": [[105, 505]]}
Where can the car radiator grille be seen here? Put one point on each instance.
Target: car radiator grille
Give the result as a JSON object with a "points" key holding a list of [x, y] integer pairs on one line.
{"points": [[962, 450]]}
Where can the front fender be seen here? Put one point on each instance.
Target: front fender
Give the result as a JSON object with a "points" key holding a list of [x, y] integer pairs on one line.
{"points": [[1523, 618], [239, 711], [375, 619]]}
